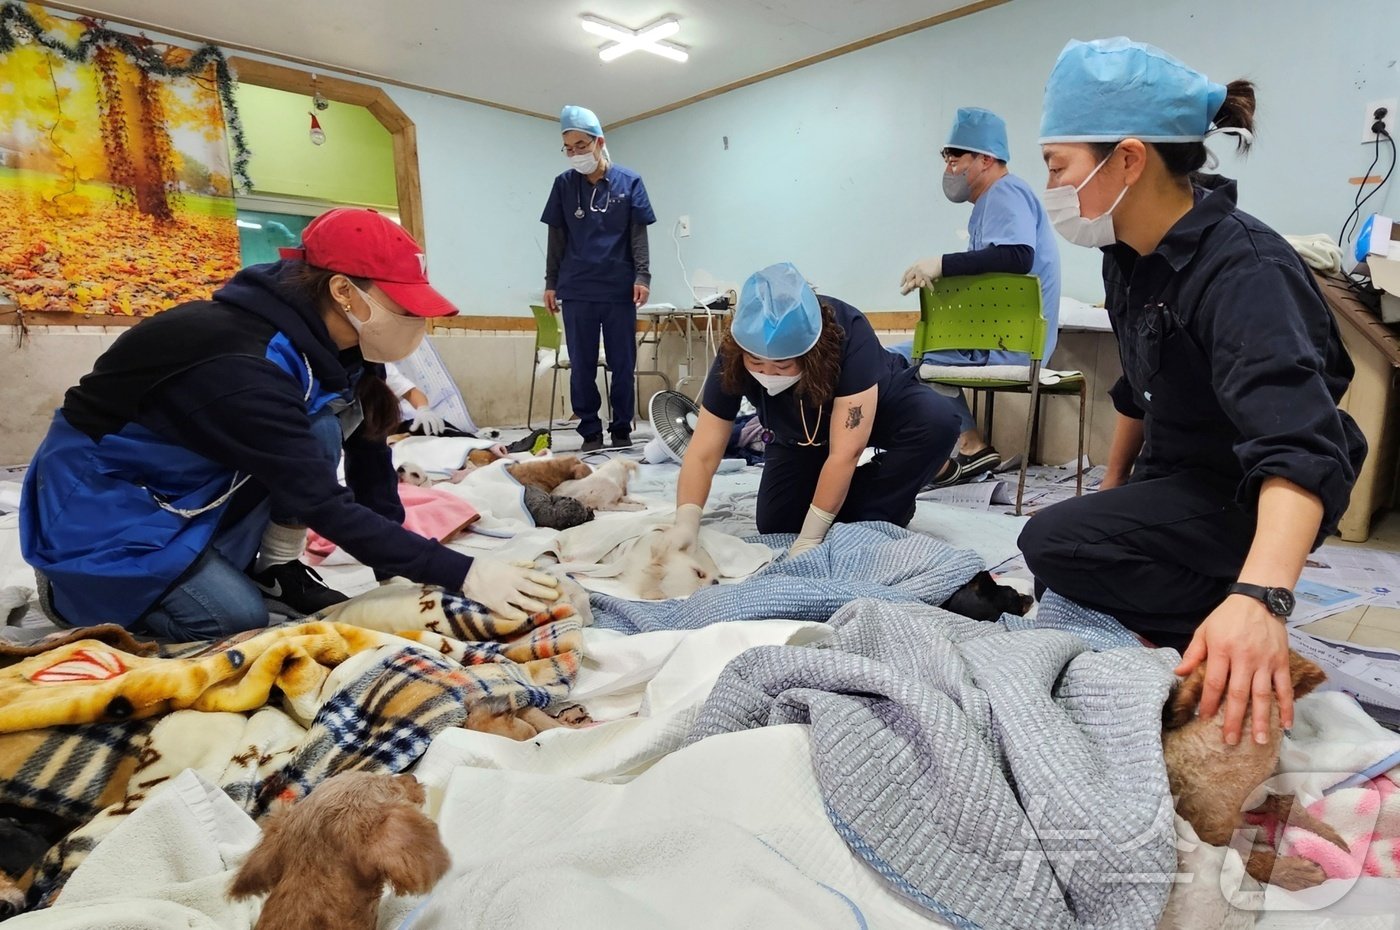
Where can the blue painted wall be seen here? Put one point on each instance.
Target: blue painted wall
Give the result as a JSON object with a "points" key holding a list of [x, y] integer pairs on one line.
{"points": [[835, 168]]}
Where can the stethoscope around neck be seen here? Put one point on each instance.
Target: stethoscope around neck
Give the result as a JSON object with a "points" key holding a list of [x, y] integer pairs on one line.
{"points": [[593, 199]]}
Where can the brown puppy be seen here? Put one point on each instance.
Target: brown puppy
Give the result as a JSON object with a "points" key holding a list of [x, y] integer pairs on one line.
{"points": [[546, 473], [325, 860], [526, 722], [1211, 780]]}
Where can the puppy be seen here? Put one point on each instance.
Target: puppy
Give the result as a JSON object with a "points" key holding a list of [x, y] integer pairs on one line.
{"points": [[325, 860], [983, 599], [25, 836], [526, 722], [409, 473], [553, 511], [12, 900], [658, 572], [605, 488], [1211, 780], [546, 472]]}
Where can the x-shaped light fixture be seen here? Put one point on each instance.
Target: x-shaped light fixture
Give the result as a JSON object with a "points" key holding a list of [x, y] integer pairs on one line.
{"points": [[648, 39]]}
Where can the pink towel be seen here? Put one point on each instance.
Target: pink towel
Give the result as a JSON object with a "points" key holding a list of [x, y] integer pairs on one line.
{"points": [[428, 512], [1367, 817]]}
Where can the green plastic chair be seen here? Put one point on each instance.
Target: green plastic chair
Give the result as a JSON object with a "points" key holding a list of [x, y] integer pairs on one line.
{"points": [[550, 335], [996, 311]]}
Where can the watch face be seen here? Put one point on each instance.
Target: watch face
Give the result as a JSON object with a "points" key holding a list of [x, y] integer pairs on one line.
{"points": [[1279, 601]]}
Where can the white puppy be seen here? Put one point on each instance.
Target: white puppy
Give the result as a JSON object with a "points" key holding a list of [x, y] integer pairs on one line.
{"points": [[410, 473], [657, 572], [605, 489]]}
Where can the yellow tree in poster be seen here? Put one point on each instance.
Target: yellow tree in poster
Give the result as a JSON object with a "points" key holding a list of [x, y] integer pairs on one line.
{"points": [[114, 191]]}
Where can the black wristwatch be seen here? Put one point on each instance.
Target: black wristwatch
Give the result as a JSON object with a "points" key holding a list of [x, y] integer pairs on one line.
{"points": [[1279, 600]]}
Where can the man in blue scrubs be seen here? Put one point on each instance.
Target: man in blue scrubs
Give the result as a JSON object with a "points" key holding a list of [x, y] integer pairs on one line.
{"points": [[1009, 232], [597, 271]]}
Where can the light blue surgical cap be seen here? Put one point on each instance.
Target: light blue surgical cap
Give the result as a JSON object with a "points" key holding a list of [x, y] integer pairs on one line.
{"points": [[580, 118], [778, 315], [979, 130], [1111, 89]]}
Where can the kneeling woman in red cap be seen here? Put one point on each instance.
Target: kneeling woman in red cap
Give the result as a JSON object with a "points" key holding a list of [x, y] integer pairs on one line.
{"points": [[173, 490]]}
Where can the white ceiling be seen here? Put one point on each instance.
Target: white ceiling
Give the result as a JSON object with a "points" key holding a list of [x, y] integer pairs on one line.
{"points": [[530, 54]]}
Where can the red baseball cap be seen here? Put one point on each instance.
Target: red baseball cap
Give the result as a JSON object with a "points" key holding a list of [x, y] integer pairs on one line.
{"points": [[367, 244]]}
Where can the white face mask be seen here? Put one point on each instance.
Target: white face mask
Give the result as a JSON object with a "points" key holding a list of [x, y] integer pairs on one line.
{"points": [[1063, 208], [386, 336], [587, 163], [775, 384]]}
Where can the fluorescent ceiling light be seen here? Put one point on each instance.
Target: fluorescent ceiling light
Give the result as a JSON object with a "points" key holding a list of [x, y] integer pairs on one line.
{"points": [[623, 41]]}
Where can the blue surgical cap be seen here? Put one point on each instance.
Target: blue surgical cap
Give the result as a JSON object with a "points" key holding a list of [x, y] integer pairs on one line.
{"points": [[580, 118], [1110, 89], [979, 130], [778, 315]]}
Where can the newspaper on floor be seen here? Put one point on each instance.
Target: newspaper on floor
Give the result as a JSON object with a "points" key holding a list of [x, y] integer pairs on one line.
{"points": [[1316, 600], [1367, 572], [975, 495], [1373, 678]]}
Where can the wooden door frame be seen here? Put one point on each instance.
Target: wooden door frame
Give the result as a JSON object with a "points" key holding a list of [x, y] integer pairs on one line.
{"points": [[372, 98]]}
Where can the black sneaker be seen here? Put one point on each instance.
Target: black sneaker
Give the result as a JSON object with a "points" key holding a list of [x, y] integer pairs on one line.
{"points": [[949, 476], [591, 443], [527, 443], [621, 440], [977, 463], [294, 589]]}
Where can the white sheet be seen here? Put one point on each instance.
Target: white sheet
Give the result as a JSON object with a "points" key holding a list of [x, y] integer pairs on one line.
{"points": [[729, 832], [438, 455]]}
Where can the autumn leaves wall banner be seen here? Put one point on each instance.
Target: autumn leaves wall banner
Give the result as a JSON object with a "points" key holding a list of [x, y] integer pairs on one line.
{"points": [[118, 162]]}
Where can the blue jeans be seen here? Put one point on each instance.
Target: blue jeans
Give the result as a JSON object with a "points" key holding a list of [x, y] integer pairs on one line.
{"points": [[964, 357], [215, 598]]}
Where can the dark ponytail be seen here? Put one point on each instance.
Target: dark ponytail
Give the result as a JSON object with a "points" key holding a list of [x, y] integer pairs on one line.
{"points": [[380, 406], [1184, 159]]}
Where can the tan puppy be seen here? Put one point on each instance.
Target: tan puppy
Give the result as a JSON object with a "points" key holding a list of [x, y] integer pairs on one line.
{"points": [[605, 488], [1211, 780], [658, 572], [524, 723], [545, 473], [325, 860]]}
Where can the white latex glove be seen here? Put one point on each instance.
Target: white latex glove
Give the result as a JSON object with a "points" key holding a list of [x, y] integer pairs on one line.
{"points": [[814, 529], [683, 536], [921, 274], [513, 592], [429, 420]]}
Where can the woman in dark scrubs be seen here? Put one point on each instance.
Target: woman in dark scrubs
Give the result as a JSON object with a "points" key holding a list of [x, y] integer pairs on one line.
{"points": [[826, 390], [1230, 460]]}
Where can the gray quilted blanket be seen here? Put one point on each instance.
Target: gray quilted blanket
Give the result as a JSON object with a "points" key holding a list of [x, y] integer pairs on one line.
{"points": [[871, 560], [999, 778]]}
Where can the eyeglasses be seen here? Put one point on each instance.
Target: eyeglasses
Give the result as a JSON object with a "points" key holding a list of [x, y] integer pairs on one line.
{"points": [[951, 155], [581, 148]]}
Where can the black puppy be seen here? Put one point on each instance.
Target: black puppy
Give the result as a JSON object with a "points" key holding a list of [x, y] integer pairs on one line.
{"points": [[25, 836], [983, 599]]}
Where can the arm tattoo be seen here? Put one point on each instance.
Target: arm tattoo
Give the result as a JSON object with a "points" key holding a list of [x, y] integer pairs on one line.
{"points": [[854, 416]]}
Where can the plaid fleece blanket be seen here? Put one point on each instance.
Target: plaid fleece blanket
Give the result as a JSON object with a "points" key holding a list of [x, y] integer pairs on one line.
{"points": [[998, 778], [871, 560], [374, 708]]}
